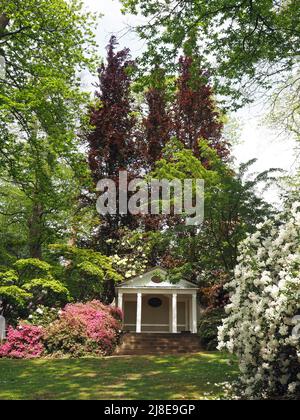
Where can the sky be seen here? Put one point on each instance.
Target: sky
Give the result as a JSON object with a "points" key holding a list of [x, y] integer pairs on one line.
{"points": [[270, 148]]}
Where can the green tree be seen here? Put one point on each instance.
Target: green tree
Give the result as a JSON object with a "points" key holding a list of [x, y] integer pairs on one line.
{"points": [[44, 46], [232, 209], [88, 274], [28, 284], [285, 113], [239, 40], [39, 189]]}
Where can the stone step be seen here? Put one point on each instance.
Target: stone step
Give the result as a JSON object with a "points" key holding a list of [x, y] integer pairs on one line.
{"points": [[154, 335], [163, 340], [161, 343], [150, 337], [155, 343], [175, 343], [155, 352], [159, 347], [149, 343], [161, 336]]}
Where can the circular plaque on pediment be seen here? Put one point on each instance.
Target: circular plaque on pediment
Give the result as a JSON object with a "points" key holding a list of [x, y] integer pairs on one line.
{"points": [[156, 279]]}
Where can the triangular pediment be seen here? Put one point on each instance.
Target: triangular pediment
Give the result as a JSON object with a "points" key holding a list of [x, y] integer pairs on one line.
{"points": [[156, 278]]}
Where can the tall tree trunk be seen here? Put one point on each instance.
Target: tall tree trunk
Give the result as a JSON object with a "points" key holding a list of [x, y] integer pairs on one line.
{"points": [[4, 21], [35, 231]]}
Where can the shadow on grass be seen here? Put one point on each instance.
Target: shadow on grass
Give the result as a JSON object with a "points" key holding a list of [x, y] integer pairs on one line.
{"points": [[135, 378]]}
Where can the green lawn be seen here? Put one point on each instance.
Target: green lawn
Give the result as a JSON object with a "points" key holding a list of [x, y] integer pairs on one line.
{"points": [[142, 377]]}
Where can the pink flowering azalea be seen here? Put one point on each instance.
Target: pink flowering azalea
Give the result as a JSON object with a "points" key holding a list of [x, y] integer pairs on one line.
{"points": [[24, 342], [85, 328]]}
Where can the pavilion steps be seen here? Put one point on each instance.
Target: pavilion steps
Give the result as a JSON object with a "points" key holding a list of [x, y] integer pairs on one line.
{"points": [[156, 343]]}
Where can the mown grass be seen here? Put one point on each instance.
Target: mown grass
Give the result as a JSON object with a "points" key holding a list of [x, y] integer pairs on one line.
{"points": [[197, 376]]}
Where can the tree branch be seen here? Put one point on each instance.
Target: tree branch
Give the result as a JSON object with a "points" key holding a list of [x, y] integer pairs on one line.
{"points": [[6, 34]]}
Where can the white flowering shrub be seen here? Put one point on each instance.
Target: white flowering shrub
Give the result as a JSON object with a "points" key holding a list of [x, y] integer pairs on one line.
{"points": [[265, 299]]}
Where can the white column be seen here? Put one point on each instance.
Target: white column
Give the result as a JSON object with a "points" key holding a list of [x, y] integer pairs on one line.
{"points": [[139, 313], [174, 313], [191, 314], [170, 314], [194, 313], [120, 301], [2, 327]]}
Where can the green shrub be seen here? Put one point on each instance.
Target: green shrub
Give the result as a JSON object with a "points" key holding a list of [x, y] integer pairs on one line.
{"points": [[43, 316], [48, 292], [32, 268], [208, 328], [85, 272], [22, 292]]}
